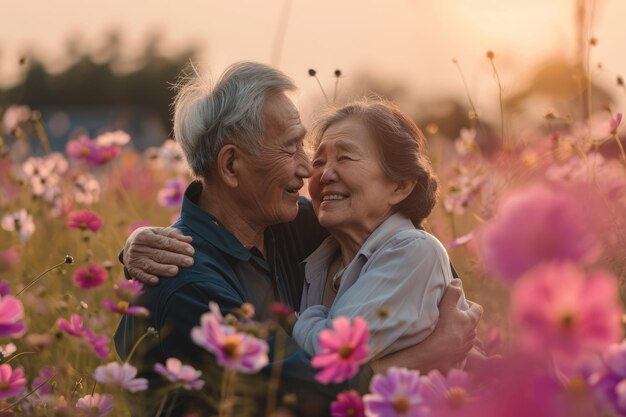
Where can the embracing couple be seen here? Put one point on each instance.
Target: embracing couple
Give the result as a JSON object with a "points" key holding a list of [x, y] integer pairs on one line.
{"points": [[246, 236]]}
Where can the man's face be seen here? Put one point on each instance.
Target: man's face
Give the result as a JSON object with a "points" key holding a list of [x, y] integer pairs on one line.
{"points": [[272, 180]]}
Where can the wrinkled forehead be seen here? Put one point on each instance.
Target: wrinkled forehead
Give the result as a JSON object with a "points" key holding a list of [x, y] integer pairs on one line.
{"points": [[280, 113]]}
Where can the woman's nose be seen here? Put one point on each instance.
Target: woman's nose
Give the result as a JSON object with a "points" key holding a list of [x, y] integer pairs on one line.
{"points": [[328, 175]]}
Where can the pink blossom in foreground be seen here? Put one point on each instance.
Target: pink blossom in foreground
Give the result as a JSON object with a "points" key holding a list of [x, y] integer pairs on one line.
{"points": [[609, 383], [342, 350], [4, 288], [396, 394], [84, 220], [559, 310], [92, 276], [234, 350], [537, 225], [12, 381], [178, 373], [96, 405], [21, 222], [347, 404], [122, 307], [11, 317], [7, 350], [172, 193], [120, 376], [99, 344], [127, 289], [445, 396], [73, 327]]}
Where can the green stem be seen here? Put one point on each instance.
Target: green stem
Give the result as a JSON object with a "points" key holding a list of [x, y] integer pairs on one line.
{"points": [[33, 282], [10, 406], [148, 332]]}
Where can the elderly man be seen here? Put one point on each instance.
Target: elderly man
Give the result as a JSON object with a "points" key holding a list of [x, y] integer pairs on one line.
{"points": [[243, 140]]}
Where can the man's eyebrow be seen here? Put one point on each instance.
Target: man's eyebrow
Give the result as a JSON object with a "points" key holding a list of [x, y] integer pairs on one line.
{"points": [[297, 139]]}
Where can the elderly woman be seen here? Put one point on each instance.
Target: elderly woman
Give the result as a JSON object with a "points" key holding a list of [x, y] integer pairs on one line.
{"points": [[372, 184]]}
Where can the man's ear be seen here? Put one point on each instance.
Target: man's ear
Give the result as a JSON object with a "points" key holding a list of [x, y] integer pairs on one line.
{"points": [[402, 191], [227, 164]]}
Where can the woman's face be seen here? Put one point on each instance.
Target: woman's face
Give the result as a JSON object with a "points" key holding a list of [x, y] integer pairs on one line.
{"points": [[350, 192]]}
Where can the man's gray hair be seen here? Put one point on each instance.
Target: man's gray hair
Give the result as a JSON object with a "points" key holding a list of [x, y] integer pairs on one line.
{"points": [[208, 117]]}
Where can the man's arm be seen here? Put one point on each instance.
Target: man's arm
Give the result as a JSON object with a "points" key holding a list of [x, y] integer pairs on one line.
{"points": [[449, 343], [156, 251]]}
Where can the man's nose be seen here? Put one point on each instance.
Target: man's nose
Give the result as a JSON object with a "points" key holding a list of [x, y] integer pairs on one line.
{"points": [[304, 169]]}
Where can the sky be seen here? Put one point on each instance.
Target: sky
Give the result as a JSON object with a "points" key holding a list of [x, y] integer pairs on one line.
{"points": [[412, 42]]}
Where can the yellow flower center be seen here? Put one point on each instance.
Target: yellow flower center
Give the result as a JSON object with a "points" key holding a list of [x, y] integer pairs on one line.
{"points": [[401, 405], [4, 386], [567, 321], [230, 346], [122, 306], [456, 397], [345, 351]]}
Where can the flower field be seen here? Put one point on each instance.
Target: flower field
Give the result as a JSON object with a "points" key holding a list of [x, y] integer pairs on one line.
{"points": [[536, 229]]}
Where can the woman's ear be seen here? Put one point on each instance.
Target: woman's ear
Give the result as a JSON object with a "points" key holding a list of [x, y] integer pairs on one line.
{"points": [[402, 191], [226, 165]]}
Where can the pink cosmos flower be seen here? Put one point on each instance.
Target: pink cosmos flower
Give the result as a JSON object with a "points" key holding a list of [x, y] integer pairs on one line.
{"points": [[120, 376], [115, 138], [91, 277], [122, 307], [14, 116], [347, 404], [609, 383], [615, 122], [9, 258], [7, 350], [178, 373], [445, 396], [79, 148], [11, 317], [12, 381], [86, 189], [4, 288], [558, 309], [42, 387], [100, 155], [342, 350], [537, 225], [74, 327], [21, 222], [234, 350], [95, 154], [127, 289], [84, 220], [96, 405], [395, 395], [172, 193]]}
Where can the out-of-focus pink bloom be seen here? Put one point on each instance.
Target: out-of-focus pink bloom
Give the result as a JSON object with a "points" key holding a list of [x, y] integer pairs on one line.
{"points": [[445, 396], [168, 157], [466, 142], [348, 404], [91, 277], [115, 138], [4, 288], [40, 384], [12, 381], [234, 350], [172, 193], [178, 373], [561, 312], [93, 153], [100, 155], [11, 317], [609, 383], [342, 350], [84, 220], [127, 289], [99, 344], [86, 189], [96, 405], [396, 394], [73, 327], [615, 122], [537, 225], [7, 350], [79, 148], [122, 307], [120, 376], [21, 222], [9, 258], [461, 192], [14, 115], [136, 225]]}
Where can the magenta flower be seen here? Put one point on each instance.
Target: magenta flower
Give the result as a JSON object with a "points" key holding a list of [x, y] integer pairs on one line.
{"points": [[91, 277], [557, 309], [347, 404], [93, 153], [84, 220], [172, 193], [234, 350], [609, 383], [99, 344], [615, 122], [127, 289], [11, 317], [120, 376], [43, 388], [178, 373], [80, 148], [342, 350], [74, 327], [534, 226], [96, 405], [445, 396], [122, 307], [395, 395], [12, 381]]}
